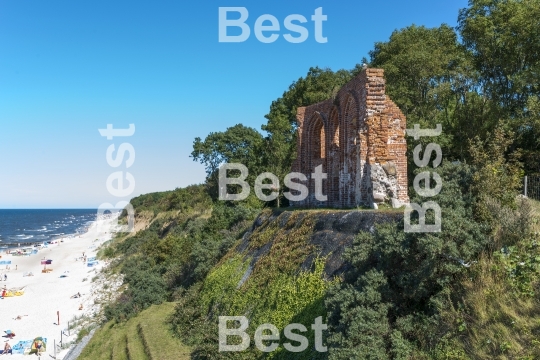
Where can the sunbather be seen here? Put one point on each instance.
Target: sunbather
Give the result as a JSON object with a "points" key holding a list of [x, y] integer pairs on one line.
{"points": [[77, 295], [38, 345], [7, 349]]}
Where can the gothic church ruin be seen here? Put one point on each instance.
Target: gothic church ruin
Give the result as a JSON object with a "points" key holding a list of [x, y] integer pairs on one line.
{"points": [[359, 139]]}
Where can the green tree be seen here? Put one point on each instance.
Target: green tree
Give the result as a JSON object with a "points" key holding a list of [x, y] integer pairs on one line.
{"points": [[237, 144], [504, 40], [503, 37], [431, 77], [528, 135]]}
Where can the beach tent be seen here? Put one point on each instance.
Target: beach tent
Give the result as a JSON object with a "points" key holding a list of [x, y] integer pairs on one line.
{"points": [[92, 259], [5, 262], [28, 347], [39, 341], [92, 263]]}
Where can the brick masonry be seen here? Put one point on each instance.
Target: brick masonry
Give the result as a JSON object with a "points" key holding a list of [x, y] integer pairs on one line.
{"points": [[359, 139]]}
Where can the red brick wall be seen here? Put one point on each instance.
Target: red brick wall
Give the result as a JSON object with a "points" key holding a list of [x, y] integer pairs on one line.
{"points": [[362, 128]]}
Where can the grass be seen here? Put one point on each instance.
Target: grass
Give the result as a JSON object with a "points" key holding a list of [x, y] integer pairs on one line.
{"points": [[536, 212], [155, 334], [100, 347], [134, 347], [495, 321], [119, 346], [144, 337]]}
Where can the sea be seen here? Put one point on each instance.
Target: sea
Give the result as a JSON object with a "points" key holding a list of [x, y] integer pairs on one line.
{"points": [[40, 225]]}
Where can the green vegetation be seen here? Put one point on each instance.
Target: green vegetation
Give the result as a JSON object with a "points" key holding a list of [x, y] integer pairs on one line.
{"points": [[467, 292], [145, 337], [470, 291], [176, 250], [275, 291]]}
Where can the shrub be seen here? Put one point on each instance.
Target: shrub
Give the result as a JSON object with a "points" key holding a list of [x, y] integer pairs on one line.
{"points": [[388, 304]]}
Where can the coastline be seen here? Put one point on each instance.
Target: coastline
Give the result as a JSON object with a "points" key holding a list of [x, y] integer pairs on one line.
{"points": [[45, 294]]}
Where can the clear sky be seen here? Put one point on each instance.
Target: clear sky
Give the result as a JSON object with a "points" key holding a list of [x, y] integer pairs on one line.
{"points": [[69, 68]]}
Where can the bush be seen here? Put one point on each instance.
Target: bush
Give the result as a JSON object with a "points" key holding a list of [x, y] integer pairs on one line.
{"points": [[388, 304], [145, 288], [498, 175], [177, 250]]}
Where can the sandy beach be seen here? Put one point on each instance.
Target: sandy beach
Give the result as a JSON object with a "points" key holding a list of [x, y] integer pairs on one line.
{"points": [[46, 294]]}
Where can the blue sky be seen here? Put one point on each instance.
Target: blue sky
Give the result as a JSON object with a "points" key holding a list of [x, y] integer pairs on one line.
{"points": [[69, 68]]}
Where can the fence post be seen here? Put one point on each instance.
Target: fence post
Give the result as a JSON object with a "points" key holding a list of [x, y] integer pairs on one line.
{"points": [[525, 186]]}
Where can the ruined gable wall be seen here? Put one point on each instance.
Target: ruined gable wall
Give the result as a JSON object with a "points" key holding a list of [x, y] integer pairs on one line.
{"points": [[359, 139]]}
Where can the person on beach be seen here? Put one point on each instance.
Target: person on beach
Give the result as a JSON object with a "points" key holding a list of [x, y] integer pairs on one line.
{"points": [[4, 290], [38, 344], [7, 349]]}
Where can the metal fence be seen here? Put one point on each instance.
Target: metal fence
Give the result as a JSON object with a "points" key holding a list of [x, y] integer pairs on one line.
{"points": [[531, 187]]}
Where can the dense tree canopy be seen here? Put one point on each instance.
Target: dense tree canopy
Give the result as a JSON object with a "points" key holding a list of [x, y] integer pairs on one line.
{"points": [[472, 79], [238, 144]]}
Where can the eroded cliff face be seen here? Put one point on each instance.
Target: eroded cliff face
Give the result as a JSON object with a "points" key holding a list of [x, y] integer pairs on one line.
{"points": [[308, 234]]}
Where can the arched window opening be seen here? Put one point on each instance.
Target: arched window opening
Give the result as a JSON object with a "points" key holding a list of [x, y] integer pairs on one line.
{"points": [[319, 140], [335, 128]]}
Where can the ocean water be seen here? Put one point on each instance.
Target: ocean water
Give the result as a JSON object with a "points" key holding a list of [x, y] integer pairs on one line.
{"points": [[38, 225]]}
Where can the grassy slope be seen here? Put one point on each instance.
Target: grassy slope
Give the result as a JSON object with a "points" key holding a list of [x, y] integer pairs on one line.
{"points": [[145, 336], [495, 323], [278, 273]]}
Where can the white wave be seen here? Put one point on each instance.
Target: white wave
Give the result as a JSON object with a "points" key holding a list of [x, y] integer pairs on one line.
{"points": [[23, 237]]}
